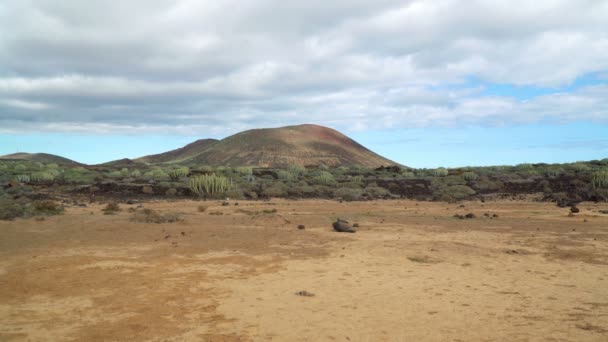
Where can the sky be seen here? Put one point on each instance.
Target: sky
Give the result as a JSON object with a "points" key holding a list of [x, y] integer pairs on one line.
{"points": [[425, 83]]}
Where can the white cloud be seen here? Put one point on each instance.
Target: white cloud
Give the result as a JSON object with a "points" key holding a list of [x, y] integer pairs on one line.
{"points": [[186, 65]]}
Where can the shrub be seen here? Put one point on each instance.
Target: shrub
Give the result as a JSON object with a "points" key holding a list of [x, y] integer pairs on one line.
{"points": [[136, 174], [296, 170], [454, 193], [285, 175], [178, 173], [115, 175], [78, 175], [48, 207], [469, 176], [580, 167], [277, 189], [148, 215], [111, 208], [324, 178], [375, 191], [348, 194], [553, 172], [10, 209], [244, 170], [440, 172], [202, 208], [210, 185], [407, 174]]}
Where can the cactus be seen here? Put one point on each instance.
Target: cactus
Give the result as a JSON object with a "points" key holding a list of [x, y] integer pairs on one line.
{"points": [[599, 179], [42, 176], [210, 185], [23, 178]]}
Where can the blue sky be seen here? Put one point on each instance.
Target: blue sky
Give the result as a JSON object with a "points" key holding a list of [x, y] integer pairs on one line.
{"points": [[425, 83], [417, 147]]}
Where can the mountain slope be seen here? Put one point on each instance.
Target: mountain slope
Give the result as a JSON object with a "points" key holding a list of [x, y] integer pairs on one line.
{"points": [[179, 154], [275, 147], [40, 157]]}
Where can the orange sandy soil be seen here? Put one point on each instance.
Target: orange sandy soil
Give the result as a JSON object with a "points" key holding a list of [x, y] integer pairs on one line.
{"points": [[412, 273]]}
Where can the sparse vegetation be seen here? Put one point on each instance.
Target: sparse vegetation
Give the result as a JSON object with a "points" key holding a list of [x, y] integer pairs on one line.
{"points": [[147, 215], [562, 183]]}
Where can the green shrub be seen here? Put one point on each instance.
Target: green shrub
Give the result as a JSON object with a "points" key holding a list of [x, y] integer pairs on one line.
{"points": [[136, 174], [79, 175], [157, 175], [455, 192], [10, 208], [470, 176], [285, 175], [296, 170], [47, 207], [178, 173], [488, 185], [348, 194], [407, 174], [579, 167], [375, 191], [210, 185], [324, 178], [440, 172], [115, 175], [244, 170], [276, 189], [553, 172]]}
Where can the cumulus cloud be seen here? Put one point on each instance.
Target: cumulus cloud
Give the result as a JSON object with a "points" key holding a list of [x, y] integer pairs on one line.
{"points": [[200, 67]]}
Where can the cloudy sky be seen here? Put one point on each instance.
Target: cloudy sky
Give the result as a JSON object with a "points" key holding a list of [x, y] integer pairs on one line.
{"points": [[426, 83]]}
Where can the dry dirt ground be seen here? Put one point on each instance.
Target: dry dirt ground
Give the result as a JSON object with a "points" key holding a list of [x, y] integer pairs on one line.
{"points": [[413, 272]]}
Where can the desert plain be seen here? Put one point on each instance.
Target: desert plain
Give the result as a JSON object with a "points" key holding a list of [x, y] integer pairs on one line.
{"points": [[519, 270]]}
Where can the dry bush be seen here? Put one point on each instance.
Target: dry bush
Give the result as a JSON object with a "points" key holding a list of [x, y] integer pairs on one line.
{"points": [[111, 208], [48, 207], [147, 215], [202, 208]]}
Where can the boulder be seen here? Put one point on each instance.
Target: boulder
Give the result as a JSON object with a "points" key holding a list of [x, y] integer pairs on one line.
{"points": [[343, 226]]}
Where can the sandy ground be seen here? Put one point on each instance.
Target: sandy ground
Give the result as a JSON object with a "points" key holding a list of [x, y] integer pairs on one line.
{"points": [[413, 272]]}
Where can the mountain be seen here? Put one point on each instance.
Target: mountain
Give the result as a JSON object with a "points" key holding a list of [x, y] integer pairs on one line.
{"points": [[40, 157], [180, 154], [305, 145], [120, 163]]}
